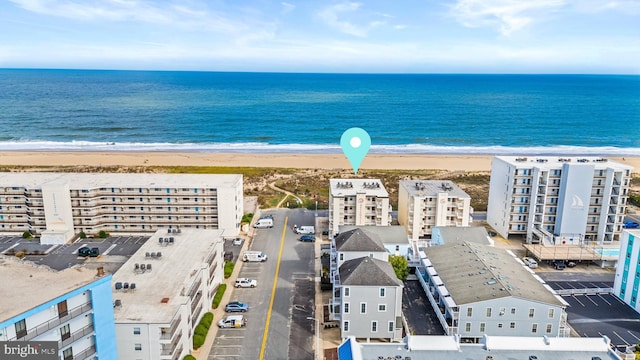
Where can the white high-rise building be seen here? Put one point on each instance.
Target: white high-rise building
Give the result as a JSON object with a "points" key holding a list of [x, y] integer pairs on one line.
{"points": [[57, 206], [358, 202], [162, 292], [628, 269], [423, 204], [558, 200]]}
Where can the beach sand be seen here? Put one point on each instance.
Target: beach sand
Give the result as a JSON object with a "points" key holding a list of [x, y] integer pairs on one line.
{"points": [[301, 161]]}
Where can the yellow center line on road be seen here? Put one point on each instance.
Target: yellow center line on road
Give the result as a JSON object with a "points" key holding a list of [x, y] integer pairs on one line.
{"points": [[273, 292]]}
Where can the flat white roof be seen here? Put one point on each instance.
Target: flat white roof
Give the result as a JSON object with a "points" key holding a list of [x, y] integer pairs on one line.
{"points": [[167, 279], [351, 187], [554, 162], [28, 285], [422, 188], [88, 181]]}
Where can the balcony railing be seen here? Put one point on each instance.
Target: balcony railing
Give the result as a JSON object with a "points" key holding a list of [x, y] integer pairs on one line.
{"points": [[76, 335], [53, 323], [85, 354]]}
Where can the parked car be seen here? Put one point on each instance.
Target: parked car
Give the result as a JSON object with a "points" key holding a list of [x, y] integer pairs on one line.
{"points": [[307, 238], [233, 321], [228, 256], [571, 264], [85, 251], [237, 241], [559, 265], [530, 262], [630, 225], [236, 306], [246, 282]]}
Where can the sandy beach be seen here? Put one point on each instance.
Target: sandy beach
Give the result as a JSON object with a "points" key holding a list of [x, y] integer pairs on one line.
{"points": [[301, 161]]}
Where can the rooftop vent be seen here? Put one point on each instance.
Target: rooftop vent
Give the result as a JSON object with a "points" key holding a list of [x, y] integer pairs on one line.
{"points": [[521, 159], [117, 303], [164, 300]]}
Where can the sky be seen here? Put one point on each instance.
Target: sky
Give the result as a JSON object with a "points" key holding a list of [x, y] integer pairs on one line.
{"points": [[369, 36]]}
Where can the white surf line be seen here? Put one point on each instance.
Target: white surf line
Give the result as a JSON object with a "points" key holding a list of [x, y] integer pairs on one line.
{"points": [[109, 249]]}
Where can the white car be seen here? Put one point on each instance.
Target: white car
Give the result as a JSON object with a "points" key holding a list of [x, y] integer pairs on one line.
{"points": [[237, 241], [246, 282], [530, 262]]}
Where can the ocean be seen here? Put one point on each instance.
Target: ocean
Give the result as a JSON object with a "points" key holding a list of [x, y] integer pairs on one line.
{"points": [[86, 110]]}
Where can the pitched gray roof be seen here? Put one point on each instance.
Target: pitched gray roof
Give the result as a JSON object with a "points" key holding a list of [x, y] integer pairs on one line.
{"points": [[394, 234], [474, 272], [368, 271], [453, 234], [358, 240]]}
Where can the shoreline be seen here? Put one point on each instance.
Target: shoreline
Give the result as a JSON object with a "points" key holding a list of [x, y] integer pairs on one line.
{"points": [[449, 162]]}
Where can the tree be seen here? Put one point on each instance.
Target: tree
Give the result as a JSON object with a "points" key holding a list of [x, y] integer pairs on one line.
{"points": [[400, 266]]}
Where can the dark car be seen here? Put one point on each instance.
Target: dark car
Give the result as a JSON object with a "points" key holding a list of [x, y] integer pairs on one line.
{"points": [[559, 265], [630, 225], [228, 256], [307, 238], [85, 251], [236, 306]]}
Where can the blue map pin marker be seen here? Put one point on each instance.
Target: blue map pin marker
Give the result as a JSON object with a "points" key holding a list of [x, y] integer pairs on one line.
{"points": [[355, 144]]}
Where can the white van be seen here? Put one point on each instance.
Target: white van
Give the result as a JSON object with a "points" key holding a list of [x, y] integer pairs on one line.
{"points": [[263, 223], [304, 230], [254, 256], [232, 321]]}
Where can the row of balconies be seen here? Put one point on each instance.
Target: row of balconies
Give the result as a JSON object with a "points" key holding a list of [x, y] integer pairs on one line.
{"points": [[141, 191], [144, 201], [52, 323]]}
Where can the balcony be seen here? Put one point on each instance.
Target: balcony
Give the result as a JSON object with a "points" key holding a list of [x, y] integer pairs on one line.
{"points": [[85, 354], [54, 323], [167, 349], [172, 330], [76, 336]]}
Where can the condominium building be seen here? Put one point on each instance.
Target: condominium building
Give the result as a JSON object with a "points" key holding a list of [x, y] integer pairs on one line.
{"points": [[423, 204], [162, 292], [358, 202], [627, 279], [57, 206], [558, 200], [72, 308], [479, 290]]}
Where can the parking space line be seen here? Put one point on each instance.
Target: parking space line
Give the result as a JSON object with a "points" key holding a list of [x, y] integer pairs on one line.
{"points": [[621, 338], [603, 299], [579, 302], [273, 291], [590, 299], [109, 249], [632, 334]]}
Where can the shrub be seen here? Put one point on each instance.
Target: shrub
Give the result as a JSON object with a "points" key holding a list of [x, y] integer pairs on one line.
{"points": [[201, 330], [198, 341], [218, 296], [228, 269], [26, 235], [103, 234], [189, 357], [20, 254], [246, 218], [82, 235], [207, 319]]}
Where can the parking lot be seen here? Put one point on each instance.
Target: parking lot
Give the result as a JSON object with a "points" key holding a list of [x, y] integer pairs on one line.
{"points": [[418, 312]]}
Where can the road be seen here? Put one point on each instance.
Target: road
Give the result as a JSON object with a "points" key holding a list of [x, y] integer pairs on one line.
{"points": [[277, 327]]}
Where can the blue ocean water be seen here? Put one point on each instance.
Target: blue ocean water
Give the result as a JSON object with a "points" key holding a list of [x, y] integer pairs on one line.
{"points": [[282, 112]]}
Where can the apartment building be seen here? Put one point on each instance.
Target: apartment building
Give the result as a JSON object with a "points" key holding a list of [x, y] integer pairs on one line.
{"points": [[558, 200], [479, 290], [424, 204], [371, 300], [162, 292], [358, 202], [627, 281], [57, 206], [72, 307]]}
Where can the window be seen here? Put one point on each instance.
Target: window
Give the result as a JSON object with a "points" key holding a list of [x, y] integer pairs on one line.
{"points": [[502, 311], [512, 325], [534, 328], [346, 292], [346, 308], [21, 329], [550, 313], [382, 307], [363, 308], [136, 331], [138, 347], [341, 257], [531, 313], [467, 327], [65, 332], [345, 326], [382, 292], [499, 325], [374, 326], [469, 312], [482, 326], [390, 326], [549, 327], [488, 312], [62, 309], [67, 354]]}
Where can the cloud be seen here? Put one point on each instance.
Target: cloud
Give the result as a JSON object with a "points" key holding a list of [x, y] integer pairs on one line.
{"points": [[287, 7], [507, 16], [332, 17]]}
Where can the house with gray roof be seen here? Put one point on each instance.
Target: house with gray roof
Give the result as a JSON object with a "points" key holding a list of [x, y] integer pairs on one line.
{"points": [[477, 289], [394, 237], [370, 296]]}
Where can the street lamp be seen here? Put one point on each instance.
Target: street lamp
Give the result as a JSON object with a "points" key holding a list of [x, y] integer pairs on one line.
{"points": [[316, 208], [318, 349]]}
